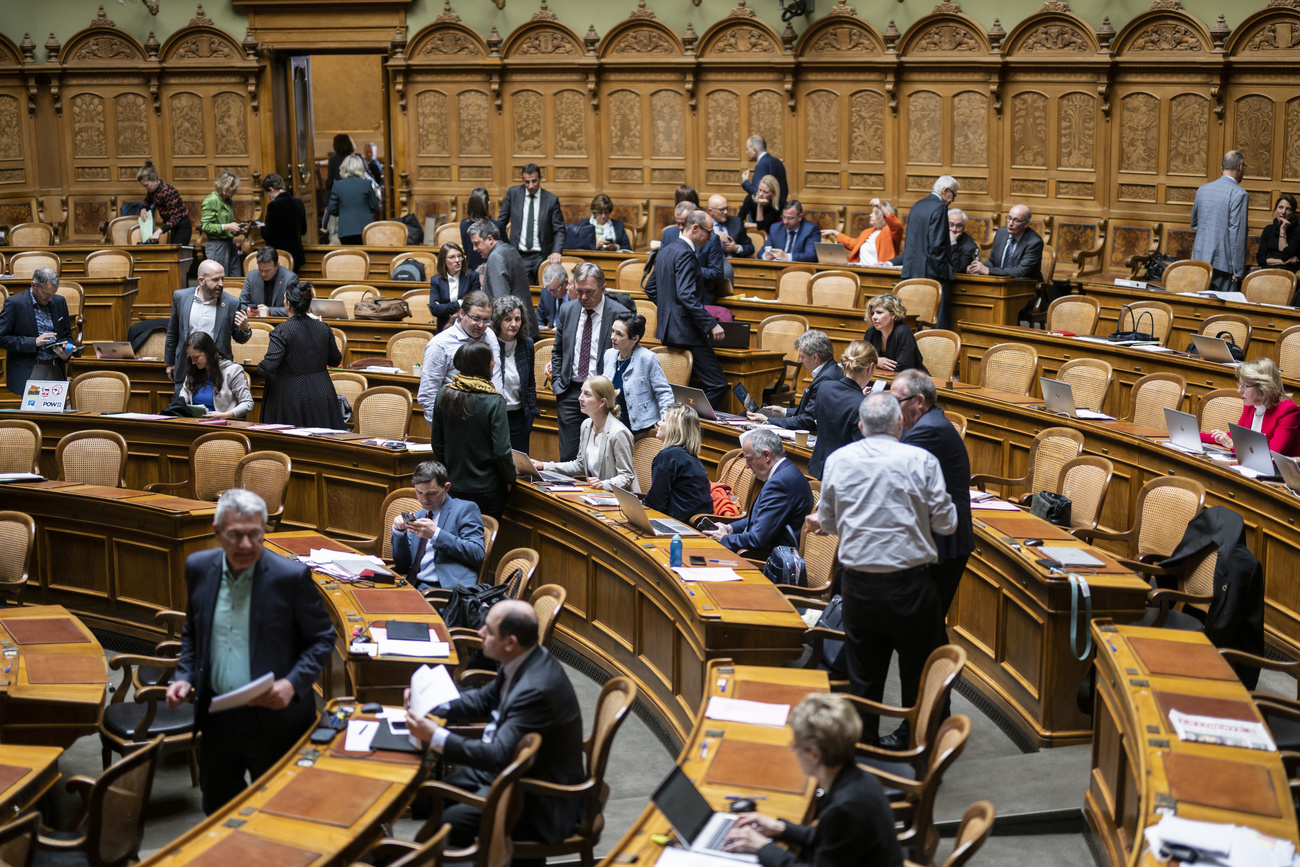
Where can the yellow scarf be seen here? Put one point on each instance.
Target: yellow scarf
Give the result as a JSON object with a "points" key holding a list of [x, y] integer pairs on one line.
{"points": [[475, 384]]}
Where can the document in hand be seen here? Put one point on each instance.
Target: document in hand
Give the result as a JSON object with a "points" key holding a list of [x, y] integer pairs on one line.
{"points": [[754, 712], [243, 695], [431, 686]]}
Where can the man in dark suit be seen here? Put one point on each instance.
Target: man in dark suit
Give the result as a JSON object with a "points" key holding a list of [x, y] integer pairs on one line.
{"points": [[927, 243], [962, 250], [532, 218], [729, 230], [265, 285], [505, 272], [34, 325], [1017, 249], [713, 261], [370, 155], [204, 308], [764, 164], [555, 291], [249, 614], [531, 693], [785, 500], [443, 545], [818, 357], [674, 286], [581, 338], [793, 239]]}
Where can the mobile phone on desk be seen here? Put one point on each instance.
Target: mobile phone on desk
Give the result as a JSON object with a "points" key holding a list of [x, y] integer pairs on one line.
{"points": [[697, 560]]}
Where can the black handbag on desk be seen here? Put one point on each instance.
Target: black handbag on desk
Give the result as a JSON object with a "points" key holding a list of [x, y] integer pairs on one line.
{"points": [[1136, 334], [1053, 508]]}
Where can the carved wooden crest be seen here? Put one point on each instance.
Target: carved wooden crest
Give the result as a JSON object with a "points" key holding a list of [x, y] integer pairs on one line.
{"points": [[641, 35], [840, 35], [945, 32], [542, 40], [446, 39], [1170, 32], [1266, 34], [740, 35]]}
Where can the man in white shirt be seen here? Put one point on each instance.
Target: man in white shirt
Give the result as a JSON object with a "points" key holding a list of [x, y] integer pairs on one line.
{"points": [[532, 220], [471, 326], [205, 308], [885, 500]]}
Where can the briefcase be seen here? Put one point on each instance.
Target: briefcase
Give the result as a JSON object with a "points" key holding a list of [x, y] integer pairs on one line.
{"points": [[385, 309]]}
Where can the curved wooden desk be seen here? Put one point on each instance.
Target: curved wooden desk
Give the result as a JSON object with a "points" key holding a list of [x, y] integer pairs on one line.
{"points": [[54, 677], [108, 307], [1141, 769], [631, 615], [28, 774]]}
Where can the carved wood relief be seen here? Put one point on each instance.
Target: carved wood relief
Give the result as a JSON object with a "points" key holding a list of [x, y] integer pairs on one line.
{"points": [[924, 126], [822, 120], [766, 118], [867, 127], [1291, 156], [1029, 130], [625, 123], [1254, 128], [723, 112], [1076, 130], [667, 140], [970, 129], [229, 130], [1189, 116], [431, 122], [472, 107], [187, 124], [1139, 119], [89, 136], [11, 142], [527, 105], [570, 123], [132, 125]]}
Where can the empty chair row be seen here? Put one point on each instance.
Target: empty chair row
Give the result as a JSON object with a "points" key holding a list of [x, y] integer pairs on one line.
{"points": [[101, 263]]}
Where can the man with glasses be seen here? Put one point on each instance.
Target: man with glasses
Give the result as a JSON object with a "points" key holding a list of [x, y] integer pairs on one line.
{"points": [[506, 273], [250, 613], [729, 230], [962, 250], [1017, 249], [926, 242], [34, 328], [794, 239], [471, 326]]}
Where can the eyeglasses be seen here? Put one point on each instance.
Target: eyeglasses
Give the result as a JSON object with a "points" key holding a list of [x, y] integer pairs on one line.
{"points": [[479, 319], [903, 400], [236, 537], [1017, 220]]}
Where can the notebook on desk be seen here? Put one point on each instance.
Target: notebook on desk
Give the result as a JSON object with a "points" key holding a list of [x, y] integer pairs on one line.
{"points": [[1058, 397], [1213, 349], [1288, 469], [831, 253], [524, 467], [630, 505], [700, 402], [113, 349], [328, 308]]}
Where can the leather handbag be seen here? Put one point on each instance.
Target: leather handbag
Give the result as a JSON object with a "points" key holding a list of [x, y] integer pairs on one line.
{"points": [[1053, 508], [372, 361], [384, 309]]}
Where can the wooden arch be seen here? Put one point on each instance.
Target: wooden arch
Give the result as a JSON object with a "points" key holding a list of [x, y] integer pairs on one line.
{"points": [[840, 36], [1166, 34], [641, 37], [946, 35], [1052, 36]]}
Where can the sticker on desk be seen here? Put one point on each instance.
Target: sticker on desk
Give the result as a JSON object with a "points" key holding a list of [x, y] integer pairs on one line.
{"points": [[1226, 732]]}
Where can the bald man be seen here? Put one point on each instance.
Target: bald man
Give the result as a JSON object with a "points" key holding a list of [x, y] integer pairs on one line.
{"points": [[207, 308], [1017, 249], [729, 230]]}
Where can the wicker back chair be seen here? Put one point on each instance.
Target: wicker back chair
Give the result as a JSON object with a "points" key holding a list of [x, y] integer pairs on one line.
{"points": [[110, 263], [976, 825], [31, 235], [821, 557], [214, 459], [547, 602], [118, 230], [1165, 506], [92, 457], [643, 456], [958, 421], [628, 276], [399, 501], [939, 350], [24, 264], [351, 294], [1086, 481], [384, 233], [1151, 395], [1234, 323], [1048, 455], [125, 727], [1089, 380], [650, 312], [348, 384], [1077, 314], [1187, 276], [266, 474], [1269, 286], [352, 264], [733, 472], [383, 411], [1218, 409], [427, 258], [20, 446], [418, 301], [523, 559], [922, 298], [677, 365], [792, 284], [542, 350], [396, 852], [834, 289], [282, 258], [919, 838], [406, 348], [491, 528], [779, 333], [18, 838], [341, 341], [17, 540], [1011, 367], [1157, 315], [102, 391], [75, 297], [1287, 353], [254, 349], [446, 232], [154, 345]]}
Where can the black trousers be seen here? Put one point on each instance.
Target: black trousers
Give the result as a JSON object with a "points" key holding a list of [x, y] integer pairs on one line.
{"points": [[707, 373], [1221, 281], [531, 263], [945, 304], [489, 502], [240, 745], [181, 232], [568, 416], [884, 613], [521, 429], [464, 819], [946, 577]]}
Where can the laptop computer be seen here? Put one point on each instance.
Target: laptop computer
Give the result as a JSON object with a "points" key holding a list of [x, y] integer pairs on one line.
{"points": [[735, 336], [699, 827], [329, 308], [1288, 469], [1185, 433], [1252, 449], [1213, 349], [1058, 397], [524, 467], [631, 507], [696, 398], [831, 253], [113, 349]]}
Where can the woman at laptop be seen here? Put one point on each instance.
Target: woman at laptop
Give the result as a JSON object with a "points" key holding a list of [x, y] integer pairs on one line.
{"points": [[470, 433], [299, 390], [679, 486], [1268, 409], [890, 336], [214, 382], [879, 242], [643, 390], [855, 825], [838, 401], [604, 445]]}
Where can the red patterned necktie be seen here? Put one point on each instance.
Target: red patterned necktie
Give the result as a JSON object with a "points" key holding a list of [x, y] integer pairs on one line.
{"points": [[584, 357]]}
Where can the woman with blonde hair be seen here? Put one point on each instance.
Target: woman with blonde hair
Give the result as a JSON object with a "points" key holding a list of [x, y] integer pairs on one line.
{"points": [[605, 444], [763, 208], [352, 199], [218, 222], [838, 401], [1268, 409], [679, 486], [890, 336], [879, 242]]}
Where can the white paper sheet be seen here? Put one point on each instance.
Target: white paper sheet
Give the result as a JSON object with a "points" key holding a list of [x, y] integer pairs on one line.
{"points": [[419, 447], [676, 856], [1094, 416], [707, 573], [754, 712], [431, 686], [1070, 556], [1229, 845], [243, 695], [996, 506], [1246, 471], [424, 649], [1215, 730], [1225, 296], [361, 732]]}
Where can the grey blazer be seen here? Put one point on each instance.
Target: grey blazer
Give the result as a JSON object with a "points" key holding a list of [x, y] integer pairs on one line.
{"points": [[504, 274], [645, 388], [229, 390], [614, 467], [178, 330], [1219, 221]]}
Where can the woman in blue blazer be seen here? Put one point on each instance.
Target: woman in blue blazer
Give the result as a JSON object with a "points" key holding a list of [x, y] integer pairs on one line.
{"points": [[353, 199], [452, 282], [515, 361], [643, 390]]}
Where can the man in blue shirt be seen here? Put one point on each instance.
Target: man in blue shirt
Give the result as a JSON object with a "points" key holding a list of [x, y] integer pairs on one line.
{"points": [[442, 544]]}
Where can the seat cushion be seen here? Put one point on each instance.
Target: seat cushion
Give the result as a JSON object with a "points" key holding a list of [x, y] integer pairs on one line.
{"points": [[122, 718], [898, 769], [1286, 733]]}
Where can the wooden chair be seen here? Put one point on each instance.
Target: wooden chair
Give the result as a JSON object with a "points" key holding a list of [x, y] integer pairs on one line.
{"points": [[446, 232], [568, 263], [1156, 315], [75, 297], [282, 258], [1165, 506], [1269, 286], [547, 602], [384, 233], [792, 284], [406, 348], [351, 264], [677, 365], [1043, 288], [1287, 353], [1218, 409], [395, 852], [779, 333], [976, 825], [18, 840], [757, 237], [821, 557], [427, 258], [1077, 314], [381, 544], [939, 350], [133, 236], [1151, 395], [351, 294], [154, 345], [110, 263], [922, 298], [418, 301], [118, 231], [1048, 454], [499, 810], [17, 540], [1010, 367], [490, 531], [341, 341], [383, 411], [92, 457], [616, 698], [541, 357], [733, 473], [643, 455], [958, 421], [1086, 481], [348, 384], [834, 289], [650, 312], [254, 349], [1235, 324], [1187, 276], [231, 290], [523, 559], [20, 446], [24, 264], [214, 458], [113, 809], [31, 235], [628, 276], [266, 474], [1089, 379], [127, 727]]}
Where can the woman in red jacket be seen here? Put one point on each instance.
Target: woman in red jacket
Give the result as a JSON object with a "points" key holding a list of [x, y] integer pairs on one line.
{"points": [[881, 241], [1268, 409]]}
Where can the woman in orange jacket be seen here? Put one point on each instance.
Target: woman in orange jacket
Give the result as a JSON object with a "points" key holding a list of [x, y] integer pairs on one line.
{"points": [[881, 241]]}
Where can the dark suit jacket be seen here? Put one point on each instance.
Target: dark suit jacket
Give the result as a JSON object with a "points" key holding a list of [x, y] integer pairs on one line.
{"points": [[711, 257], [286, 223], [548, 309], [178, 329], [804, 416], [568, 336], [805, 237], [925, 249], [550, 220], [837, 421], [440, 303], [290, 632], [736, 229], [778, 513], [255, 291], [459, 543], [768, 165], [541, 700], [582, 236], [18, 335], [674, 286], [472, 258], [854, 827], [1025, 261], [505, 274], [934, 433], [963, 253]]}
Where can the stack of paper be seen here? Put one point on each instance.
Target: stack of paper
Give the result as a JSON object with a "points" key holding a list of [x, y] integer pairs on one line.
{"points": [[423, 649], [344, 565], [1215, 843], [707, 573], [739, 710], [1228, 732]]}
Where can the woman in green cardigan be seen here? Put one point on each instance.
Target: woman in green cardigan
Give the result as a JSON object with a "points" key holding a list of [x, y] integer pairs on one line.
{"points": [[218, 223]]}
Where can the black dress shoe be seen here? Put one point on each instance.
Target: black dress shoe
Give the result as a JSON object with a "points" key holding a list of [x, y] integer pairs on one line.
{"points": [[898, 740]]}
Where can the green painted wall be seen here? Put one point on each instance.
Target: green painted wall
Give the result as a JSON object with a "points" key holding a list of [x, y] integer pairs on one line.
{"points": [[65, 17]]}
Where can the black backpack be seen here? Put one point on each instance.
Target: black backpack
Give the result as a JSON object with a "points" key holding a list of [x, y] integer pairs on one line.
{"points": [[469, 603], [410, 269]]}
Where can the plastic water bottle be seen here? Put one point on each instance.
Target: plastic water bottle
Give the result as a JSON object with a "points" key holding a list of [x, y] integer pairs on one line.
{"points": [[675, 551]]}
